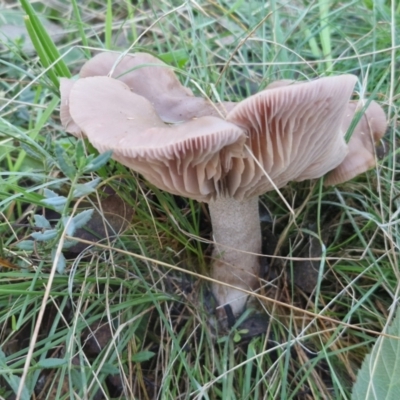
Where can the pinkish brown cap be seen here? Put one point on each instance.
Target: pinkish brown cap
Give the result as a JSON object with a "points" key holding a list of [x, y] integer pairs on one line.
{"points": [[191, 159], [149, 77], [286, 133], [293, 133], [361, 156], [66, 120]]}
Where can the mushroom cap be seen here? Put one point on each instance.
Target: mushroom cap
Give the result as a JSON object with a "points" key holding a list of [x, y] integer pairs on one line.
{"points": [[361, 156], [149, 77], [288, 132], [293, 133], [191, 159], [66, 120]]}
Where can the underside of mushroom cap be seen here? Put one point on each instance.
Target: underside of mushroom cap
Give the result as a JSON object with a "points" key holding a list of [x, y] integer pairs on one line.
{"points": [[191, 159], [285, 133], [294, 133], [149, 77], [361, 156]]}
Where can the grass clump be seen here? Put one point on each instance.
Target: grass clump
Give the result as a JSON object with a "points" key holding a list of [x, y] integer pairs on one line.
{"points": [[120, 319]]}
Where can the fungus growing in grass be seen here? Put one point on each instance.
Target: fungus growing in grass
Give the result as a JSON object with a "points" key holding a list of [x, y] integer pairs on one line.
{"points": [[284, 133], [361, 148], [149, 77]]}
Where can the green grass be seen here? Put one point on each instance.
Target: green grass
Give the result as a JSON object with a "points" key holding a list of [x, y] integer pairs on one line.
{"points": [[165, 343]]}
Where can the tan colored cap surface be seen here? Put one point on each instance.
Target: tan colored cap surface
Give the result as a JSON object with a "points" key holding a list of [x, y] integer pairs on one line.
{"points": [[287, 132], [191, 159], [361, 156], [66, 120], [149, 77]]}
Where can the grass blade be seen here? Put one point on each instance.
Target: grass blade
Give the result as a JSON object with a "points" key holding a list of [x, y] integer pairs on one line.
{"points": [[40, 51], [46, 43], [108, 30], [80, 24]]}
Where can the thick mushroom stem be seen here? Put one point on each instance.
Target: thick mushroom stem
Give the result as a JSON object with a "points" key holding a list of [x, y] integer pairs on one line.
{"points": [[237, 236]]}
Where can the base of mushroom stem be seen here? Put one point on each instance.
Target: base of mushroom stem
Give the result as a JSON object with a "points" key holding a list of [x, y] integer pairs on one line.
{"points": [[226, 297], [241, 281], [254, 323]]}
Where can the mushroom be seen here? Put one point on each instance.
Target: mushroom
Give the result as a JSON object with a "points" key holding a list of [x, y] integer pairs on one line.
{"points": [[285, 133], [149, 77], [361, 155], [361, 147]]}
